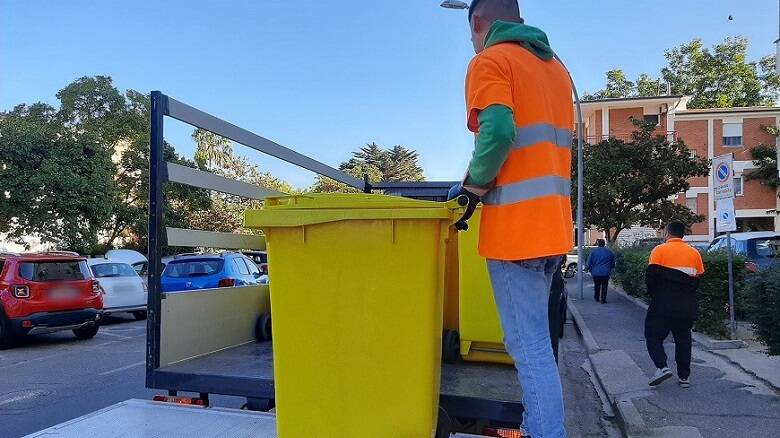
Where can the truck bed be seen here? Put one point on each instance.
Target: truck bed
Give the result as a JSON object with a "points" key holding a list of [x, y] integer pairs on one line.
{"points": [[250, 367], [136, 418]]}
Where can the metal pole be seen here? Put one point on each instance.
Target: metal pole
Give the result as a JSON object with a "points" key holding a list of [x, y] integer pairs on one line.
{"points": [[732, 320], [156, 145], [580, 197]]}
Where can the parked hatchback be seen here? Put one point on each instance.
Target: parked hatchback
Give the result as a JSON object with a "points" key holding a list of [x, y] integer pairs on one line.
{"points": [[761, 248], [46, 293], [208, 271], [123, 289]]}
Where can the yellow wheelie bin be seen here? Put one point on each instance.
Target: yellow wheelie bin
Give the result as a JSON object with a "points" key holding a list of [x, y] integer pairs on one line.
{"points": [[357, 305], [481, 336]]}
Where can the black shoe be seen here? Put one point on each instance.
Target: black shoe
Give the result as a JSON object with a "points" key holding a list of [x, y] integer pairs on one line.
{"points": [[596, 298], [603, 301]]}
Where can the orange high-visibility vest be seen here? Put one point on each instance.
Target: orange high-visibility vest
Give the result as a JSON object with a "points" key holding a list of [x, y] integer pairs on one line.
{"points": [[527, 215]]}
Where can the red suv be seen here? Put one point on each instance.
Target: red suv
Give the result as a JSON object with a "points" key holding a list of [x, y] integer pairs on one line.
{"points": [[46, 293]]}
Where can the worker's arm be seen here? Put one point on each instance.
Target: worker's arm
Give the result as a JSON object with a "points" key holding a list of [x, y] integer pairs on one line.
{"points": [[495, 137]]}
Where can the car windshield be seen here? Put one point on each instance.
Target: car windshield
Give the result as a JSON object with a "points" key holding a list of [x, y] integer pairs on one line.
{"points": [[765, 248], [105, 270], [54, 271], [193, 268]]}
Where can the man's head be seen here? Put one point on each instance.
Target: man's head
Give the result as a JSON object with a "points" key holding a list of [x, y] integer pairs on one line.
{"points": [[601, 242], [482, 15], [675, 229]]}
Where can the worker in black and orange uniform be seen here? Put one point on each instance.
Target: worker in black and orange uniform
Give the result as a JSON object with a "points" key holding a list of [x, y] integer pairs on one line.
{"points": [[672, 281], [519, 104]]}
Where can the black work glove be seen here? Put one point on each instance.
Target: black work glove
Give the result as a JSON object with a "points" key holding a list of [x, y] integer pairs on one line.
{"points": [[465, 199]]}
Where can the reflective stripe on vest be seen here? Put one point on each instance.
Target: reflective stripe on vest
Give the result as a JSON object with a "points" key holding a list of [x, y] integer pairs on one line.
{"points": [[542, 133], [527, 190]]}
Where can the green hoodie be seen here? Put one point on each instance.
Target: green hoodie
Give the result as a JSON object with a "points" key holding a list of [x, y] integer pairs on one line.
{"points": [[496, 122]]}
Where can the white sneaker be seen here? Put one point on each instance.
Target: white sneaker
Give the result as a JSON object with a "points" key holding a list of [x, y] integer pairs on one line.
{"points": [[684, 382], [660, 375]]}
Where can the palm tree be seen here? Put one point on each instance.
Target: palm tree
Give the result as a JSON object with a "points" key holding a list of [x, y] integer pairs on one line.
{"points": [[212, 150]]}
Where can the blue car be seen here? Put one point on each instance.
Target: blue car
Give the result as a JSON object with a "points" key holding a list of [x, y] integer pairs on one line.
{"points": [[208, 271]]}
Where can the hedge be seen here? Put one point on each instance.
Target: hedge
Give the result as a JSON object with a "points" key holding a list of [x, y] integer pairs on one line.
{"points": [[713, 291], [763, 298]]}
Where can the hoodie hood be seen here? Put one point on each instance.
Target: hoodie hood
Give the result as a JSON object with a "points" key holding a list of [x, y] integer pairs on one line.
{"points": [[532, 38]]}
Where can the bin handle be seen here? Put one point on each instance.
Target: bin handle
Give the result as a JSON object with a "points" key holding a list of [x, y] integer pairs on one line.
{"points": [[461, 224]]}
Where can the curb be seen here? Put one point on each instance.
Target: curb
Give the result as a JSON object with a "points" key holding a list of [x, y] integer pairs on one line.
{"points": [[627, 416]]}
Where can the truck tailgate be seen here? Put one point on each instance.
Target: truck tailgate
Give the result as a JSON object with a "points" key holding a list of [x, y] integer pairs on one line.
{"points": [[134, 418]]}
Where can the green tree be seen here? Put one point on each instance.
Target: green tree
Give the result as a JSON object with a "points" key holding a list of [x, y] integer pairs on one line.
{"points": [[765, 159], [647, 86], [631, 183], [395, 164], [57, 182], [213, 151], [618, 86], [721, 77]]}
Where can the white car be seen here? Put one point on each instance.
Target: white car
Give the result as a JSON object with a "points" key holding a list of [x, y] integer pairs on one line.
{"points": [[123, 289]]}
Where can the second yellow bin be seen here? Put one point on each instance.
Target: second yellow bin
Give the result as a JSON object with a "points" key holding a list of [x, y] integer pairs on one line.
{"points": [[357, 313], [481, 336]]}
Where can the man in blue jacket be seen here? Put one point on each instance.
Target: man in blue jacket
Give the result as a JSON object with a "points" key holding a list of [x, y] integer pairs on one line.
{"points": [[600, 264]]}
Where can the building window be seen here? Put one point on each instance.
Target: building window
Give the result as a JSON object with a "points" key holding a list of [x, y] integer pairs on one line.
{"points": [[732, 134], [738, 186], [692, 205], [692, 153], [655, 119]]}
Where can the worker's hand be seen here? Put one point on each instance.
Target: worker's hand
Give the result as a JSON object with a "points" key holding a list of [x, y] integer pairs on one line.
{"points": [[470, 200]]}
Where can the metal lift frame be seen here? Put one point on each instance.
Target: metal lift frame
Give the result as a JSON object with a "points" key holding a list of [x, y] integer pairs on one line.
{"points": [[161, 172]]}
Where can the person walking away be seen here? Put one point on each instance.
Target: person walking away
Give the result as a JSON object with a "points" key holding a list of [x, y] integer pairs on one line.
{"points": [[519, 105], [600, 265], [672, 281]]}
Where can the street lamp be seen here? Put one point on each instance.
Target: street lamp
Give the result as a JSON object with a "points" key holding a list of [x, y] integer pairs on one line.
{"points": [[454, 4]]}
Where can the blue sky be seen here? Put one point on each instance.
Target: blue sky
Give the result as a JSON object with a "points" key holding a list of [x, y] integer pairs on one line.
{"points": [[325, 77]]}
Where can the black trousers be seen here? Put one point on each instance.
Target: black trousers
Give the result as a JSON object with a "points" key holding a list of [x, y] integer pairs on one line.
{"points": [[657, 328], [600, 284]]}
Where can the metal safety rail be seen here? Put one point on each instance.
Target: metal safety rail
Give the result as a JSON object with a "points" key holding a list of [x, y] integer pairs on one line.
{"points": [[162, 172]]}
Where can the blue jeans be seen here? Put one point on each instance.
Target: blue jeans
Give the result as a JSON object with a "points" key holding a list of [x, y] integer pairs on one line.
{"points": [[522, 290]]}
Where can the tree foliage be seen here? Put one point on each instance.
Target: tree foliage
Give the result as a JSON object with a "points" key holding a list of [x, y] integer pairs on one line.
{"points": [[40, 160], [395, 164], [721, 77], [634, 182], [765, 159]]}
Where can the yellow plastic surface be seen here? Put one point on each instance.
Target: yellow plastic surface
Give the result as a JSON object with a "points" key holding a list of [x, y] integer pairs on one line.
{"points": [[357, 313], [480, 326]]}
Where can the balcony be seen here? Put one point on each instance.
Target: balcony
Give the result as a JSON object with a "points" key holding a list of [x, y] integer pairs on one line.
{"points": [[626, 136]]}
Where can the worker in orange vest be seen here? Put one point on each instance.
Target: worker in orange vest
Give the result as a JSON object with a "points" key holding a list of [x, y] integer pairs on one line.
{"points": [[519, 104], [672, 279]]}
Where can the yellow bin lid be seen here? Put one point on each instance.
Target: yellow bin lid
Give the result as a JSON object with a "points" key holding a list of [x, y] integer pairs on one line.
{"points": [[317, 208]]}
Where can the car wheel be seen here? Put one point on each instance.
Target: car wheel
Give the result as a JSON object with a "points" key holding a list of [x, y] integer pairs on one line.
{"points": [[87, 332], [571, 271], [7, 339], [139, 315], [450, 346], [263, 327]]}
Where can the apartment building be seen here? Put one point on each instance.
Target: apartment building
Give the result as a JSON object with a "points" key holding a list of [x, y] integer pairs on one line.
{"points": [[708, 133]]}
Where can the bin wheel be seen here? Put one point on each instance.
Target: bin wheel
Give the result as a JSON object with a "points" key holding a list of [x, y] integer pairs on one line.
{"points": [[7, 337], [263, 327], [451, 346], [444, 424]]}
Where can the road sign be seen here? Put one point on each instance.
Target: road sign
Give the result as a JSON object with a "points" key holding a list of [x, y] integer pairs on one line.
{"points": [[726, 220], [723, 177]]}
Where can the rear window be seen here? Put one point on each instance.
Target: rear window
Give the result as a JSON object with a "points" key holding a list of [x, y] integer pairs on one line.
{"points": [[193, 268], [105, 270], [764, 248], [54, 271]]}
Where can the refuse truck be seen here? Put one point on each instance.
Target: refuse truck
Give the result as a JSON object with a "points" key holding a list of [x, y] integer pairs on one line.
{"points": [[202, 342]]}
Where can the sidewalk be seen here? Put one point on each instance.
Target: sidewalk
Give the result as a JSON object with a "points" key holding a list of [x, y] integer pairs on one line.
{"points": [[723, 400]]}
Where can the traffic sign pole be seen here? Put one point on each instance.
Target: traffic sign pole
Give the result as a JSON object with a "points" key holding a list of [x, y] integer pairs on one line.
{"points": [[723, 189]]}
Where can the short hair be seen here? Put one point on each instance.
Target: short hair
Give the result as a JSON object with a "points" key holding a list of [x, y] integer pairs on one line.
{"points": [[601, 242], [508, 10], [676, 229]]}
